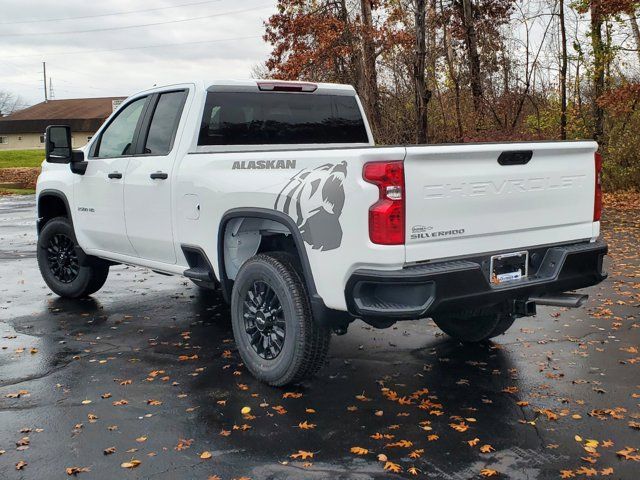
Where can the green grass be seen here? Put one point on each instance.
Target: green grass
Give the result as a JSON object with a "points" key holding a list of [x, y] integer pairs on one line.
{"points": [[21, 158], [16, 191]]}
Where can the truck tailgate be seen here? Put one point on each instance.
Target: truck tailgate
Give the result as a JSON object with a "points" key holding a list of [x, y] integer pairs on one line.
{"points": [[460, 200]]}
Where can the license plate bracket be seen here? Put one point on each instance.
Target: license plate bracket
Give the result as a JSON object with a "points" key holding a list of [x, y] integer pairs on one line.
{"points": [[509, 267]]}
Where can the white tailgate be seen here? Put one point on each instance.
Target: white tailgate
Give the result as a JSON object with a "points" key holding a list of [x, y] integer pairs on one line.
{"points": [[461, 201]]}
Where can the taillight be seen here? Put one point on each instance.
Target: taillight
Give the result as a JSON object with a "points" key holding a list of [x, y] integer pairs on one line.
{"points": [[275, 86], [386, 216], [597, 206]]}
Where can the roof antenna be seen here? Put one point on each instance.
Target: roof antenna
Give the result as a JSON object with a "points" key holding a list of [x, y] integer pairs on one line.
{"points": [[52, 95]]}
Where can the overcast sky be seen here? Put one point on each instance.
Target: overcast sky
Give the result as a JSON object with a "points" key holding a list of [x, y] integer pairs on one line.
{"points": [[217, 39]]}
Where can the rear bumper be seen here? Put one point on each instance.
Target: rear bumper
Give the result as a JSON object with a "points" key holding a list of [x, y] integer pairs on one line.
{"points": [[424, 290]]}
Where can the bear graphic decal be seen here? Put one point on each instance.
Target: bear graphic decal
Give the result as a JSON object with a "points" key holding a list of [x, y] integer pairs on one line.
{"points": [[314, 198]]}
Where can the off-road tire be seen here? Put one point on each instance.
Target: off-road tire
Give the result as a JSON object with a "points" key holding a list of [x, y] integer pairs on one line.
{"points": [[305, 343], [90, 276], [475, 326]]}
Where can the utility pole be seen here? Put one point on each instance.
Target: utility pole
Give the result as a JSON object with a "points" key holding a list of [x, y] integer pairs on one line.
{"points": [[44, 72]]}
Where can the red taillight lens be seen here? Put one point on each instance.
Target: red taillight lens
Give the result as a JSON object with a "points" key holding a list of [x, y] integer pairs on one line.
{"points": [[386, 216], [597, 207], [270, 86]]}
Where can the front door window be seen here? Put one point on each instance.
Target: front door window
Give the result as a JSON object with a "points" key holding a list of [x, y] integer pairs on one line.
{"points": [[117, 138]]}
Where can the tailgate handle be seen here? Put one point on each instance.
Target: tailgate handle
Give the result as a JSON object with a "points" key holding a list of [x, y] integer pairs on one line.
{"points": [[523, 157]]}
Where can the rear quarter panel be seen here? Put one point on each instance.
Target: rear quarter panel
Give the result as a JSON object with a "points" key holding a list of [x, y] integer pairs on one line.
{"points": [[321, 190]]}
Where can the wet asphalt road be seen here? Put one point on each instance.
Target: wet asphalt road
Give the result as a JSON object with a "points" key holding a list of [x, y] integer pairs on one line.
{"points": [[148, 366]]}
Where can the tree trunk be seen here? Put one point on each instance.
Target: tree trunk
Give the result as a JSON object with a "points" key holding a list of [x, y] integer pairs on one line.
{"points": [[432, 59], [448, 48], [506, 78], [599, 65], [471, 40], [636, 30], [563, 74], [577, 90], [369, 74], [422, 94], [350, 66]]}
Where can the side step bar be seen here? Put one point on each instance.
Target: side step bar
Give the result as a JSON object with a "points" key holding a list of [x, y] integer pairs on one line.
{"points": [[199, 266], [568, 300], [199, 273]]}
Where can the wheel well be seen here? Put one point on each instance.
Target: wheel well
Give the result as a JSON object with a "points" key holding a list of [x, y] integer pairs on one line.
{"points": [[245, 237], [269, 230], [278, 242], [50, 206]]}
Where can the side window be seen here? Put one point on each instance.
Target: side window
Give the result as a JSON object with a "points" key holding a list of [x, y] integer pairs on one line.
{"points": [[116, 140], [164, 123]]}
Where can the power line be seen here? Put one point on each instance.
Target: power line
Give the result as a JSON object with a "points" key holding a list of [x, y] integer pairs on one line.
{"points": [[21, 69], [15, 22], [133, 26], [82, 52]]}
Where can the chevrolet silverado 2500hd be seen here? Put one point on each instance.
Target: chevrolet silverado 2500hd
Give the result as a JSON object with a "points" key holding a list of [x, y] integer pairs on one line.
{"points": [[275, 193]]}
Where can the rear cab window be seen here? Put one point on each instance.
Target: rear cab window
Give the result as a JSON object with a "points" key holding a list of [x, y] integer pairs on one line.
{"points": [[164, 123], [277, 118]]}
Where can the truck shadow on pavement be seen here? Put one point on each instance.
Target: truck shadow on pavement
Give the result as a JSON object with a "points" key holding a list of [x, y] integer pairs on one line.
{"points": [[170, 375], [148, 370]]}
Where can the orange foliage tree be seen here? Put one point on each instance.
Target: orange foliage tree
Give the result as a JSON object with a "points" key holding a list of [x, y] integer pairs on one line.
{"points": [[475, 70]]}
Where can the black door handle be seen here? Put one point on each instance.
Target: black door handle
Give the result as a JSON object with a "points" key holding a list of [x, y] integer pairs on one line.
{"points": [[115, 175], [159, 176]]}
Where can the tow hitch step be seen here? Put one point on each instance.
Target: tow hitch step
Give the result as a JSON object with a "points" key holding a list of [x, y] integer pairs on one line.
{"points": [[568, 300]]}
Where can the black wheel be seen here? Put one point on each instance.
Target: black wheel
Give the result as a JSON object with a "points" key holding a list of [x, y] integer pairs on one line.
{"points": [[475, 326], [59, 262], [274, 330]]}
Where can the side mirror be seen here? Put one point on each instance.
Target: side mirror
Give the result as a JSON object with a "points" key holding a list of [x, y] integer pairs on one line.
{"points": [[58, 149], [58, 144]]}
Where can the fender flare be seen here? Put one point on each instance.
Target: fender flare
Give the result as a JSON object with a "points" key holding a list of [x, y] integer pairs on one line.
{"points": [[51, 192], [276, 216], [82, 256], [321, 312]]}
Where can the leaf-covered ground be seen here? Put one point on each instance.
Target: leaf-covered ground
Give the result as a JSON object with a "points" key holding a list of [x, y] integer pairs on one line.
{"points": [[18, 181], [19, 170], [143, 381]]}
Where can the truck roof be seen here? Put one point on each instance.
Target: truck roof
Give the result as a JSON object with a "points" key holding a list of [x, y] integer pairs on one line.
{"points": [[254, 85]]}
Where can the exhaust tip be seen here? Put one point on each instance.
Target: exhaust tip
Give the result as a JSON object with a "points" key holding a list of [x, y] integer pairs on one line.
{"points": [[566, 300]]}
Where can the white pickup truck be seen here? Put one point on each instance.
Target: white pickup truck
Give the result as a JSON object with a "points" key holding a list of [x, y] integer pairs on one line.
{"points": [[275, 193]]}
